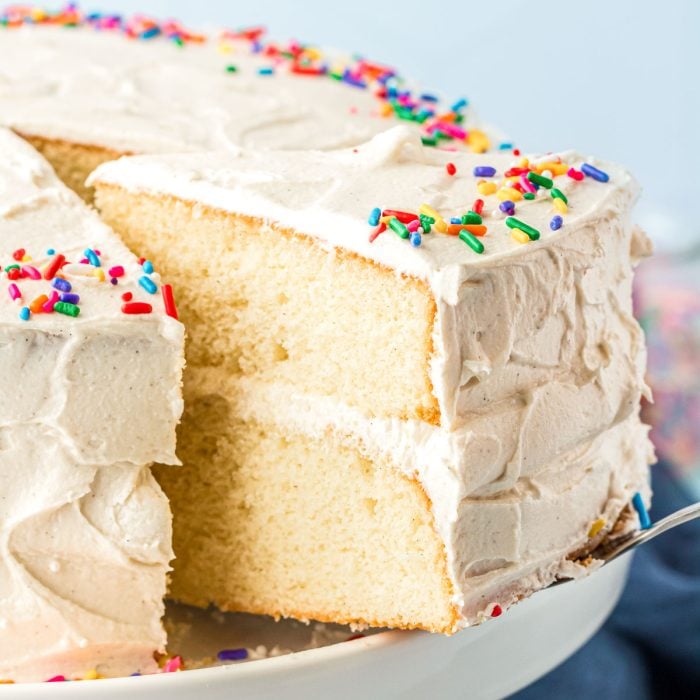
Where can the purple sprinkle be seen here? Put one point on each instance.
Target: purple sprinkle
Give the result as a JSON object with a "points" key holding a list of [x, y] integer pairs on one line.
{"points": [[114, 281], [484, 171], [70, 298], [556, 222], [232, 654], [507, 206], [593, 172], [61, 284]]}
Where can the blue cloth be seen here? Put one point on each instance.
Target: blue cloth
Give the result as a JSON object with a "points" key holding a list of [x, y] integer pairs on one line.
{"points": [[649, 649]]}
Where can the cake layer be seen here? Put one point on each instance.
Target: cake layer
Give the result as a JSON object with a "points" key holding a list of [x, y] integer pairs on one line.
{"points": [[439, 332]]}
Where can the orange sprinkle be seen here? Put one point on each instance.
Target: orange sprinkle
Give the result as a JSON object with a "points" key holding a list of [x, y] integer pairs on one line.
{"points": [[36, 306], [474, 229]]}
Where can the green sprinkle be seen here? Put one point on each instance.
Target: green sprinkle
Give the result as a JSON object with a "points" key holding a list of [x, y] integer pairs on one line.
{"points": [[472, 241], [231, 68], [335, 76], [471, 217], [178, 40], [429, 140], [11, 267], [63, 307], [528, 195], [540, 180], [398, 228], [558, 194], [532, 233]]}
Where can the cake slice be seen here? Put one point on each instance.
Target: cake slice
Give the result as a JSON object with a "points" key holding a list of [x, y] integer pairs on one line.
{"points": [[414, 422], [90, 374]]}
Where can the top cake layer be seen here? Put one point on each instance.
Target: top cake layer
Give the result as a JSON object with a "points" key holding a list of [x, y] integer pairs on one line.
{"points": [[102, 88]]}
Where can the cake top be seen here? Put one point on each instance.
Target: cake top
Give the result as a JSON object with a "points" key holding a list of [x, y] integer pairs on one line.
{"points": [[420, 211], [61, 266], [136, 85]]}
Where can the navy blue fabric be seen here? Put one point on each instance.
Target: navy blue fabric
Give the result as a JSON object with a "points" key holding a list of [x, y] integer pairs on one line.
{"points": [[649, 649]]}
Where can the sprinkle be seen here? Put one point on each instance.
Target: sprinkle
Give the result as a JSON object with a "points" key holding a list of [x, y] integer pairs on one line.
{"points": [[116, 271], [596, 527], [595, 173], [13, 273], [439, 223], [472, 241], [374, 215], [459, 105], [478, 206], [413, 225], [474, 229], [31, 271], [54, 266], [148, 284], [496, 610], [638, 503], [575, 174], [36, 307], [91, 675], [558, 194], [70, 298], [507, 206], [556, 222], [533, 233], [136, 307], [529, 196], [147, 267], [398, 228], [169, 300], [56, 679], [266, 71], [487, 188], [484, 171], [127, 296], [380, 229], [18, 255], [14, 292], [24, 313], [92, 257], [520, 236], [509, 193], [61, 284], [540, 180], [232, 654], [471, 217], [451, 168], [415, 239], [65, 307], [403, 216], [174, 664], [231, 68], [560, 205], [48, 306]]}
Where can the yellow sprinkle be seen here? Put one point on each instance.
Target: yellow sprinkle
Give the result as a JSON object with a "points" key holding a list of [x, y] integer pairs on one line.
{"points": [[91, 675], [560, 205], [440, 224], [99, 273], [312, 53], [478, 141], [4, 682], [524, 163], [509, 193], [554, 168], [597, 526], [487, 188], [26, 258], [225, 48], [517, 235], [386, 110]]}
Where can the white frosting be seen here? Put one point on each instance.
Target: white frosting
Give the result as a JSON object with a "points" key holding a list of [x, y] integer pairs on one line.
{"points": [[152, 96], [89, 402]]}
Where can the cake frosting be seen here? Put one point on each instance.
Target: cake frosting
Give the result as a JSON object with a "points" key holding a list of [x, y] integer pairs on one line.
{"points": [[92, 398], [537, 360]]}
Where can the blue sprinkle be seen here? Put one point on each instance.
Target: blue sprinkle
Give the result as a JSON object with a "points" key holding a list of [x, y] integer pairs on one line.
{"points": [[374, 216], [416, 239], [427, 97], [350, 79], [61, 284], [556, 222], [70, 298], [460, 104], [265, 71], [92, 257], [257, 47], [593, 172], [638, 503], [484, 171], [51, 251], [505, 146], [148, 284], [148, 267], [456, 220], [24, 313], [150, 33], [507, 206], [232, 654]]}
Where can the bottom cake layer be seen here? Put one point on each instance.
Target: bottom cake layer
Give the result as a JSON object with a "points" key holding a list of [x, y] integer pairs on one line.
{"points": [[316, 524]]}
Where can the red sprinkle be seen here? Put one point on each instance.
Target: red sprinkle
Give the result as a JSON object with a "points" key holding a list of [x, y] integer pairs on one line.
{"points": [[478, 206], [575, 174], [136, 307], [19, 254], [497, 610], [54, 266], [13, 274], [405, 217], [127, 296], [380, 229], [169, 301], [516, 151], [451, 168]]}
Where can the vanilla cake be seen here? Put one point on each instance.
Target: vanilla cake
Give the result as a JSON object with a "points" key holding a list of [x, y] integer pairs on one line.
{"points": [[412, 427], [91, 397]]}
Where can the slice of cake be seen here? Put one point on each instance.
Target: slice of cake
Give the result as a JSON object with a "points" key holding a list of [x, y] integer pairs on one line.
{"points": [[411, 423], [90, 374], [87, 88]]}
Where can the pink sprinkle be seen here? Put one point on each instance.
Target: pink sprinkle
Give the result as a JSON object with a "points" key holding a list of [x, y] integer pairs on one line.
{"points": [[116, 271], [56, 679], [84, 261], [448, 128], [413, 225], [15, 294], [575, 174], [174, 664], [97, 252], [527, 185], [31, 271], [48, 305]]}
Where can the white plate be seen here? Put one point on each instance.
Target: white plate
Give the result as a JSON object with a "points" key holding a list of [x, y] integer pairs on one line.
{"points": [[489, 661]]}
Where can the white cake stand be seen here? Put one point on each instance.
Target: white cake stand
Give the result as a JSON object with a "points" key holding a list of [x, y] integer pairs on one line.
{"points": [[481, 663]]}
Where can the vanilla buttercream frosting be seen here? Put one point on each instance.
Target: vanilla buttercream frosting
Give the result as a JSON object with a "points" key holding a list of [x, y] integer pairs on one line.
{"points": [[92, 397]]}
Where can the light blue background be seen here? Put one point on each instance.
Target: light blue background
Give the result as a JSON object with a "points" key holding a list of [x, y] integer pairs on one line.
{"points": [[615, 79]]}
